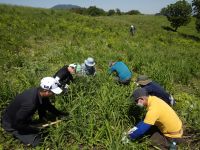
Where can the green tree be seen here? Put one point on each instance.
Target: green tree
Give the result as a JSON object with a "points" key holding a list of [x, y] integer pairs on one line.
{"points": [[163, 11], [196, 10], [179, 14], [111, 12], [94, 11], [133, 12], [118, 12]]}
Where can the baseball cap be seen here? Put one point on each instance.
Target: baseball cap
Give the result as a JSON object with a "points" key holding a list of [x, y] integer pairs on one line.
{"points": [[139, 92], [143, 80], [49, 83], [73, 65]]}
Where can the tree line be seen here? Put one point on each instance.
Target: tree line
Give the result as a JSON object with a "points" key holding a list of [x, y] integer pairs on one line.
{"points": [[180, 13], [95, 11]]}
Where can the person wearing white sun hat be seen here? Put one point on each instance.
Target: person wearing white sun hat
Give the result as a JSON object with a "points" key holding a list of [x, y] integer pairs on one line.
{"points": [[16, 119], [88, 67]]}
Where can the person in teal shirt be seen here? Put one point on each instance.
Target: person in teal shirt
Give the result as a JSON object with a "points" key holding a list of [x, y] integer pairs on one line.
{"points": [[123, 73]]}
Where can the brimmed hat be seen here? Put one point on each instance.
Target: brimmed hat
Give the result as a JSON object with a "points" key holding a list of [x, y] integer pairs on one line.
{"points": [[49, 83], [143, 80], [139, 92], [89, 61]]}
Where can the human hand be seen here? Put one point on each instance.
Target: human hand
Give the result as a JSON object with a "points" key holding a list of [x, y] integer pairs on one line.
{"points": [[132, 130], [66, 86], [64, 116]]}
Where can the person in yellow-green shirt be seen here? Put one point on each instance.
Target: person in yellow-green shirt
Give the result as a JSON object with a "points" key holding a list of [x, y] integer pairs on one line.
{"points": [[160, 115]]}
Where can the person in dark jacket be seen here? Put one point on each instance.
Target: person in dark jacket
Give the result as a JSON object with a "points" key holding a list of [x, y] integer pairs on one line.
{"points": [[17, 117], [132, 30], [64, 75], [123, 73], [154, 89]]}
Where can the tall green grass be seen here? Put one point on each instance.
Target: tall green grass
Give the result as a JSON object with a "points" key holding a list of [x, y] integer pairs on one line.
{"points": [[37, 42]]}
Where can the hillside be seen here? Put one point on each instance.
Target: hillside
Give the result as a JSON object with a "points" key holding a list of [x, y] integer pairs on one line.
{"points": [[37, 42], [63, 6]]}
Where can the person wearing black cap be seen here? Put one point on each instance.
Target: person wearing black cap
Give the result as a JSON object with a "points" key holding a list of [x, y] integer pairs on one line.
{"points": [[160, 115], [16, 119], [154, 89]]}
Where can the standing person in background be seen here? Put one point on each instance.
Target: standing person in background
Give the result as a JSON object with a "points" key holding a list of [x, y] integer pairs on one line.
{"points": [[88, 67], [17, 117], [123, 73], [64, 76], [161, 121], [132, 30], [154, 89]]}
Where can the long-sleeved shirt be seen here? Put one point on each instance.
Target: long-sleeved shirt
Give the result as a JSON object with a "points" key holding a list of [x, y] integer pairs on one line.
{"points": [[141, 129], [155, 89], [87, 70], [20, 111], [122, 70], [65, 77], [162, 116]]}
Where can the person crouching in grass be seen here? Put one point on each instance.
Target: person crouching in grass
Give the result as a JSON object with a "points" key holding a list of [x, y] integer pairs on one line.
{"points": [[161, 122], [17, 117]]}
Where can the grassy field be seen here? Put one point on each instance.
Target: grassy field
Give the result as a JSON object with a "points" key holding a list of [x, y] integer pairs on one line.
{"points": [[35, 43]]}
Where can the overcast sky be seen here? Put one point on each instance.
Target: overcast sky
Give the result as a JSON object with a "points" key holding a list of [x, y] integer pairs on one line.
{"points": [[144, 6]]}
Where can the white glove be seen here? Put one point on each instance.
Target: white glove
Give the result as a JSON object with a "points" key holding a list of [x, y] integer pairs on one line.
{"points": [[57, 79], [66, 86], [172, 100], [125, 139], [132, 130]]}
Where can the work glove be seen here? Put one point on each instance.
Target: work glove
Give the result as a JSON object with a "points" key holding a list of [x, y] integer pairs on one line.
{"points": [[172, 100], [57, 79], [63, 116], [132, 130], [66, 86], [125, 139]]}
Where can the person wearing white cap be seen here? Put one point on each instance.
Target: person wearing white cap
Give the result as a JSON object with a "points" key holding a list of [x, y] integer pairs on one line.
{"points": [[88, 67], [16, 119], [132, 30], [64, 75]]}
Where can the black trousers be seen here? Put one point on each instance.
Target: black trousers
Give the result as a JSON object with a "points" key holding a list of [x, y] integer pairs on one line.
{"points": [[123, 82], [27, 138]]}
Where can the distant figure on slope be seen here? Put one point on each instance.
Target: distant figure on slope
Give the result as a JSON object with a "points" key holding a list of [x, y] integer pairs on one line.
{"points": [[154, 89], [132, 30], [161, 122], [64, 76], [123, 73], [17, 117], [88, 67]]}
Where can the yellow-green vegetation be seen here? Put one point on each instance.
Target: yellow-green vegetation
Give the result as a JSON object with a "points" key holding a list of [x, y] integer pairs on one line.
{"points": [[35, 43]]}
